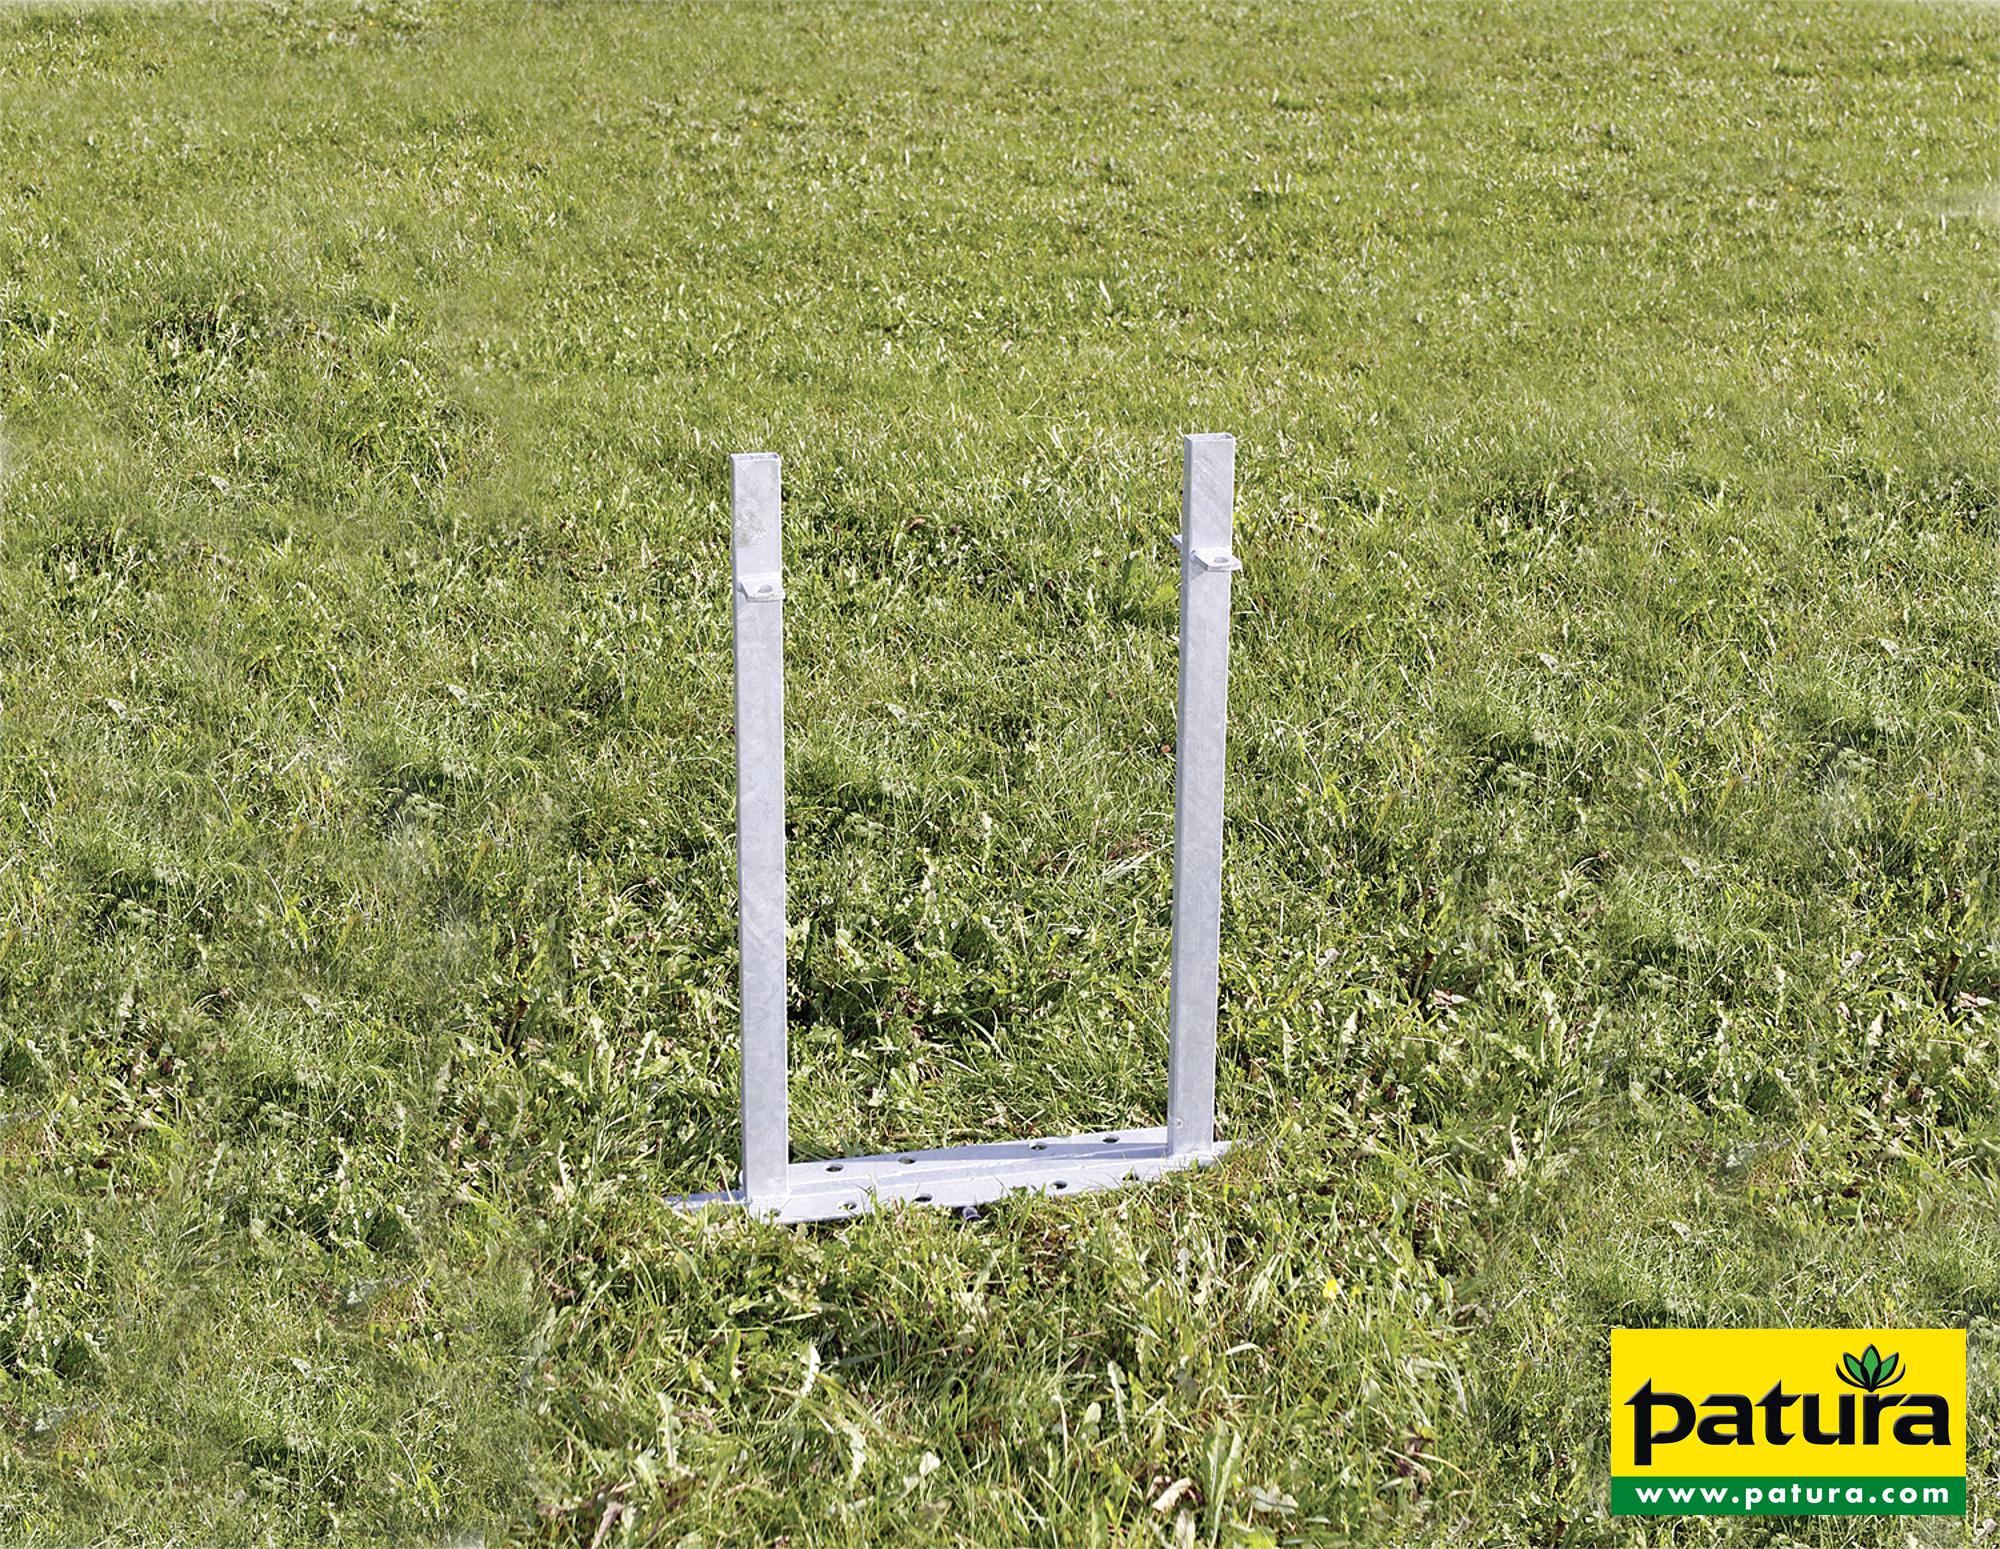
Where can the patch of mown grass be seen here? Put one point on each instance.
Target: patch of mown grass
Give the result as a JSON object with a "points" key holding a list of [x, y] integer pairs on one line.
{"points": [[1609, 924]]}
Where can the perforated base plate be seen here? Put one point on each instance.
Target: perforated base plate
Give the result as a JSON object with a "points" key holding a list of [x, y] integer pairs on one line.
{"points": [[848, 1186]]}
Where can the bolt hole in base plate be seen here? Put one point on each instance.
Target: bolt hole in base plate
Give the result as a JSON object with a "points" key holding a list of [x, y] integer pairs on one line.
{"points": [[963, 1176]]}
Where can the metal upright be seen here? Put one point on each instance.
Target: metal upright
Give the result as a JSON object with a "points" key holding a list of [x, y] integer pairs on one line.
{"points": [[757, 556], [773, 1184], [1201, 714]]}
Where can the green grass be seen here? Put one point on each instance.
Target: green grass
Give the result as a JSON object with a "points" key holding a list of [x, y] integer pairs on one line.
{"points": [[1609, 926]]}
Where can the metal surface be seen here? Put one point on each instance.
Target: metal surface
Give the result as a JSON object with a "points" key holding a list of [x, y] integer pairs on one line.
{"points": [[965, 1176], [1208, 497], [757, 554], [843, 1187]]}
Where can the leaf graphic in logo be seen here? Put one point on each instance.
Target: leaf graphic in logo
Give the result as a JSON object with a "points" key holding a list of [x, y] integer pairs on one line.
{"points": [[1870, 1370]]}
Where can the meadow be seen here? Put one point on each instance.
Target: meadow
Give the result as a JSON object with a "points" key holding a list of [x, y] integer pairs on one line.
{"points": [[1609, 928]]}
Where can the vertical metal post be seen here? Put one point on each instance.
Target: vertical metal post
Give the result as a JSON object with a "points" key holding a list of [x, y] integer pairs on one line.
{"points": [[1208, 480], [757, 568]]}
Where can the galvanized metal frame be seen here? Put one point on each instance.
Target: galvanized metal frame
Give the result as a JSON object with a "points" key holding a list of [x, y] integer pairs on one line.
{"points": [[965, 1176]]}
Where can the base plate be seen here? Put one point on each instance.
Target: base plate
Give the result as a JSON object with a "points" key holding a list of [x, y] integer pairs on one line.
{"points": [[843, 1187]]}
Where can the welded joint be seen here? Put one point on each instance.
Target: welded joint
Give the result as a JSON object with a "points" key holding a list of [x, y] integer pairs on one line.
{"points": [[1207, 558], [767, 587]]}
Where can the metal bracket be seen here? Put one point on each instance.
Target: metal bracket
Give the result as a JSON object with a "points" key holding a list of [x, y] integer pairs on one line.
{"points": [[1208, 558], [961, 1176]]}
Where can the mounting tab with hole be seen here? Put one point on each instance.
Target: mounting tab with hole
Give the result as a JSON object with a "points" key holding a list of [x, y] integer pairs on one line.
{"points": [[962, 1178]]}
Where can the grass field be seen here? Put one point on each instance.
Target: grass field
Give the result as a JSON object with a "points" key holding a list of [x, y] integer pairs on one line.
{"points": [[1609, 929]]}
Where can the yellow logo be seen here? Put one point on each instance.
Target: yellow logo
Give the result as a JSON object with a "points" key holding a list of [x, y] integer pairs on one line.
{"points": [[1766, 1422]]}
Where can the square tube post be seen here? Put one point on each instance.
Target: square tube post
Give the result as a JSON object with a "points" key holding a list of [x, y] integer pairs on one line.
{"points": [[1208, 480], [757, 563]]}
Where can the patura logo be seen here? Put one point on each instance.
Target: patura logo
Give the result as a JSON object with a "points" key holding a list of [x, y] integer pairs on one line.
{"points": [[1719, 1422]]}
